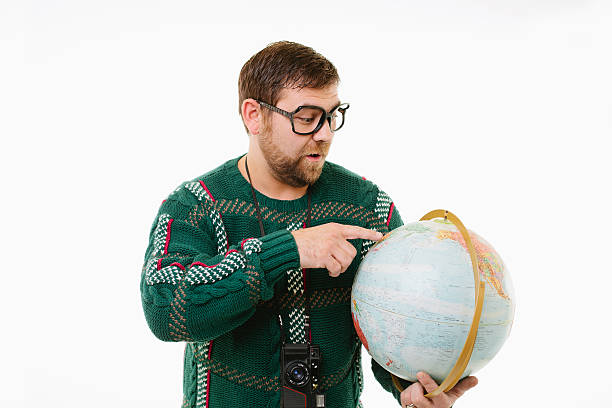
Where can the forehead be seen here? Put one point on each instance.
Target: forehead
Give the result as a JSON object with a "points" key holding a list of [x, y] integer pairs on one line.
{"points": [[326, 97]]}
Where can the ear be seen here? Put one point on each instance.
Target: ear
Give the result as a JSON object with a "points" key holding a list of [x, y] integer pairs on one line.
{"points": [[251, 115]]}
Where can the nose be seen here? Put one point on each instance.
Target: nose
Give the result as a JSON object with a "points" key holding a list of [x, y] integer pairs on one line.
{"points": [[324, 134]]}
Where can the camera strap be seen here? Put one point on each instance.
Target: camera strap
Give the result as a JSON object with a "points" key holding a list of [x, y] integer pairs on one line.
{"points": [[298, 283]]}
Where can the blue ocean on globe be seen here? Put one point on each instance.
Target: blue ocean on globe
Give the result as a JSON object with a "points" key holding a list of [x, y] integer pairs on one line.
{"points": [[413, 300]]}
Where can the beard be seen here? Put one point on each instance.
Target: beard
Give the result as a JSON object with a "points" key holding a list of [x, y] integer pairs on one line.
{"points": [[295, 171]]}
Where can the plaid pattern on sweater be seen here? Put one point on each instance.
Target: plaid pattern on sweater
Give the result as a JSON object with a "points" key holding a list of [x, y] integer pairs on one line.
{"points": [[210, 280]]}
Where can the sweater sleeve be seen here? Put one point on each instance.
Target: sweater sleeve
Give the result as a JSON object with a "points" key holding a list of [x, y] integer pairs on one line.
{"points": [[384, 378], [193, 288], [393, 221]]}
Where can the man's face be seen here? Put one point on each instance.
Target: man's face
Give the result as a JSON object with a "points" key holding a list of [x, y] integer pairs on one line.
{"points": [[297, 160]]}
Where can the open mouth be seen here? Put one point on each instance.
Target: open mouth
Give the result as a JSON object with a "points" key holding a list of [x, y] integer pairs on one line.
{"points": [[314, 157]]}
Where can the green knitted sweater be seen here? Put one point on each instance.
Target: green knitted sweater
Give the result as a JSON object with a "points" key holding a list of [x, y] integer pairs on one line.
{"points": [[211, 281]]}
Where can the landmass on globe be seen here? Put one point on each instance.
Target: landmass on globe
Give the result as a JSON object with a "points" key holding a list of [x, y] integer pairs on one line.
{"points": [[412, 300]]}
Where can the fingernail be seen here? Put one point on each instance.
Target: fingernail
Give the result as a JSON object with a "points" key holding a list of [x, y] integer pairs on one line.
{"points": [[420, 375]]}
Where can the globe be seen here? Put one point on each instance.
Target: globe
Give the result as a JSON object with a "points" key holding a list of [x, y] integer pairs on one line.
{"points": [[420, 303]]}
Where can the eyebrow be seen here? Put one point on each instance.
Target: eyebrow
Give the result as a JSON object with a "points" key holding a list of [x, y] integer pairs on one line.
{"points": [[338, 103]]}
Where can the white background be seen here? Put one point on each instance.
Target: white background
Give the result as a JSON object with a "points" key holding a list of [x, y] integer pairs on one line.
{"points": [[499, 111]]}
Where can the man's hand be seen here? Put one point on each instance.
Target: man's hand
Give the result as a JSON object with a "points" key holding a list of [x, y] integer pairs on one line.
{"points": [[326, 246], [415, 393]]}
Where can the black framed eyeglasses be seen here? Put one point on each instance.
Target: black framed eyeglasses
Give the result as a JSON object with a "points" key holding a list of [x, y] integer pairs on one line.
{"points": [[308, 119]]}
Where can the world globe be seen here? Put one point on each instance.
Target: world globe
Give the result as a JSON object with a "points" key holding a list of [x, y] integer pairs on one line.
{"points": [[432, 296]]}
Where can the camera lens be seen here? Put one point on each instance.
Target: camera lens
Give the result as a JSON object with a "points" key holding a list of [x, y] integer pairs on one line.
{"points": [[297, 373]]}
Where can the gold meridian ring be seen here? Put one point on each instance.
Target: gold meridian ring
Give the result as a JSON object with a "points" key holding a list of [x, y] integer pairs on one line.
{"points": [[454, 375]]}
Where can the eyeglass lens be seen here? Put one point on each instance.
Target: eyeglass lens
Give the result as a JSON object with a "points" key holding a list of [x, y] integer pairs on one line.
{"points": [[307, 119]]}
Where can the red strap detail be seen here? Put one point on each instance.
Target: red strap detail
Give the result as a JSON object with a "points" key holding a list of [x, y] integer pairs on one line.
{"points": [[212, 198], [291, 389], [207, 190], [207, 388], [208, 375], [159, 261], [390, 213], [211, 266], [202, 264], [168, 236], [243, 242], [177, 264]]}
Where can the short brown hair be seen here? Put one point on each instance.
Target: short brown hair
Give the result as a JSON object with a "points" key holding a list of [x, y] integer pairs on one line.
{"points": [[283, 64]]}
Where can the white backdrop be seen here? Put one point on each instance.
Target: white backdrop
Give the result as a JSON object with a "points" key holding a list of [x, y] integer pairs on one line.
{"points": [[499, 111]]}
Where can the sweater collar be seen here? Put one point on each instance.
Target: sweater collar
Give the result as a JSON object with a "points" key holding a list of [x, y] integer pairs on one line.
{"points": [[243, 190]]}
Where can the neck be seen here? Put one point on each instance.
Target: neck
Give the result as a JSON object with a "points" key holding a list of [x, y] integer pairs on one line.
{"points": [[263, 181]]}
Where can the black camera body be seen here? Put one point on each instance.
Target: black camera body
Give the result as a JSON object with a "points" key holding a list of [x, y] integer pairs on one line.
{"points": [[300, 376]]}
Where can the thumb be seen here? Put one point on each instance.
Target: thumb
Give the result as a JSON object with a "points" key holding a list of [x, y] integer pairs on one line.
{"points": [[462, 386]]}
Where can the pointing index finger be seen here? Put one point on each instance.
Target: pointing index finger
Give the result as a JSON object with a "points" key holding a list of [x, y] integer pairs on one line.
{"points": [[355, 232]]}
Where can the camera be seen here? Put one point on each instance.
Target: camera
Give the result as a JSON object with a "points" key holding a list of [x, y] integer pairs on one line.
{"points": [[300, 376]]}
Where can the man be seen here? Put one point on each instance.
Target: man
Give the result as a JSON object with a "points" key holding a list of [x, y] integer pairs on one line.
{"points": [[261, 252]]}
